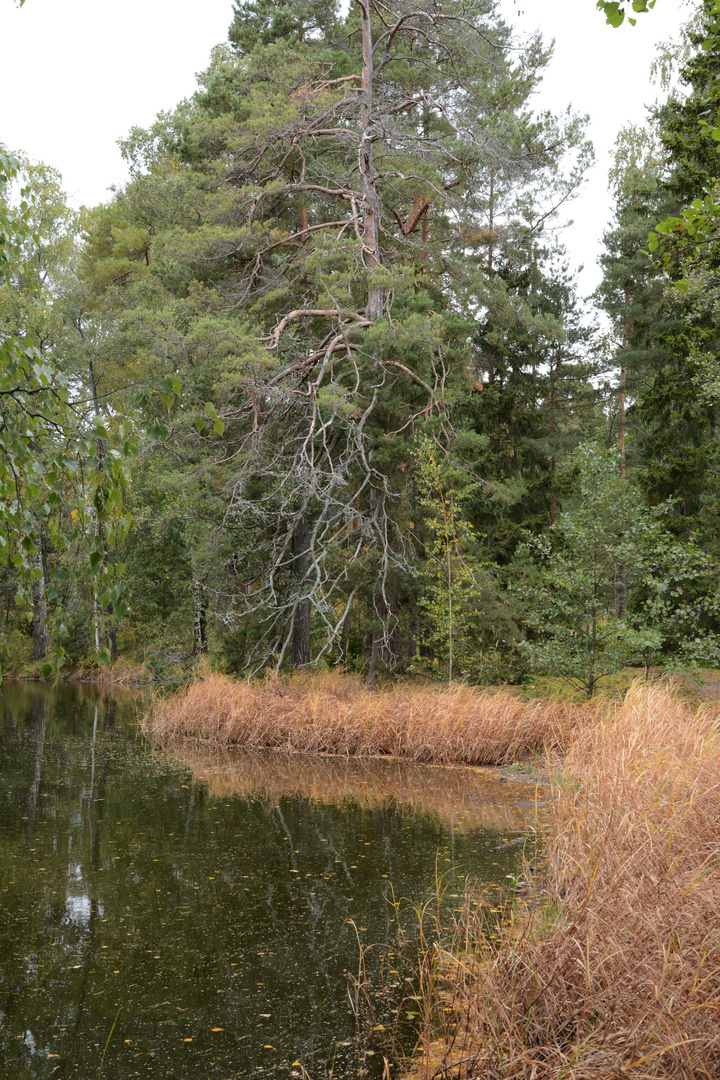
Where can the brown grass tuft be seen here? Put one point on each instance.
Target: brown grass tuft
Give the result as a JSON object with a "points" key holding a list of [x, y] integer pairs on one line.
{"points": [[334, 714], [611, 966]]}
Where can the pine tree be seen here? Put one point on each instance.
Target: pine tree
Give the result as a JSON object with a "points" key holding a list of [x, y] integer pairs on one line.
{"points": [[262, 22], [323, 224]]}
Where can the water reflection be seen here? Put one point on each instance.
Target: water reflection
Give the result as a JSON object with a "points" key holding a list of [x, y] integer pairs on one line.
{"points": [[200, 904], [463, 798]]}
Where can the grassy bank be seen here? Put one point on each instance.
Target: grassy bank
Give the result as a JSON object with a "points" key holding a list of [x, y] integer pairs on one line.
{"points": [[608, 964], [119, 673], [610, 967], [334, 714]]}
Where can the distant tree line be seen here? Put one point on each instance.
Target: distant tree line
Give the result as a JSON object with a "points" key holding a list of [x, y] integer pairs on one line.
{"points": [[324, 392]]}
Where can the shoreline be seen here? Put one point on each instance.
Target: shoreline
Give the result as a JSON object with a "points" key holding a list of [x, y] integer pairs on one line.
{"points": [[334, 714], [604, 959], [608, 961]]}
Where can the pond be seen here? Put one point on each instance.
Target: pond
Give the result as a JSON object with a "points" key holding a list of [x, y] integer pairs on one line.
{"points": [[195, 915]]}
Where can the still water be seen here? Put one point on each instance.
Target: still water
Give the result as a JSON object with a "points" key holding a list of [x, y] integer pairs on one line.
{"points": [[186, 916]]}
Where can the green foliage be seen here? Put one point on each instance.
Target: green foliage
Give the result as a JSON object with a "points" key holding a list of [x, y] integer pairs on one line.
{"points": [[58, 472], [615, 12], [452, 590], [308, 389], [535, 398], [608, 585], [301, 406], [660, 294], [691, 140], [260, 22]]}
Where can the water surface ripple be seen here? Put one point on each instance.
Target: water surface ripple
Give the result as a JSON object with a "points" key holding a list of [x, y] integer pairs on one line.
{"points": [[199, 901]]}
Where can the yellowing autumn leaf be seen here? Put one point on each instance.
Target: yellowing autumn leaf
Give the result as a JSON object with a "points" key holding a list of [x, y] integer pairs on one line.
{"points": [[217, 1029]]}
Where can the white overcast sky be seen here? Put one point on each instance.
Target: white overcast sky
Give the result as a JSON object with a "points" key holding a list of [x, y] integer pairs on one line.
{"points": [[77, 74]]}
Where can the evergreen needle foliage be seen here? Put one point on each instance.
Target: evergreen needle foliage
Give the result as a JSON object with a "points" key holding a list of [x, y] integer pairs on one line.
{"points": [[309, 389]]}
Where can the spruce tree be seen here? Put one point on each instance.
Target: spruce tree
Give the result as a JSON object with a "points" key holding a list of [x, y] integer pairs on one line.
{"points": [[670, 418]]}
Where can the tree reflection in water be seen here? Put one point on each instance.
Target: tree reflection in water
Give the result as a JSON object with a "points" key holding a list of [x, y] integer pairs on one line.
{"points": [[206, 898]]}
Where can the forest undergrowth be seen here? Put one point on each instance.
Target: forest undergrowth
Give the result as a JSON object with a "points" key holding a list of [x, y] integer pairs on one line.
{"points": [[609, 965], [333, 713]]}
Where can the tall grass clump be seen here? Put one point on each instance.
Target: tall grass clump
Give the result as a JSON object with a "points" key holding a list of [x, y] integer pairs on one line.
{"points": [[610, 965], [334, 714]]}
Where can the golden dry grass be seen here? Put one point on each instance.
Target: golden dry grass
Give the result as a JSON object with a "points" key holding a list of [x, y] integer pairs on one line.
{"points": [[611, 966], [463, 799], [119, 673], [334, 714]]}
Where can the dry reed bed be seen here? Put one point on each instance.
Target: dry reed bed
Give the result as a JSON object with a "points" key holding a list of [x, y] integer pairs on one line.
{"points": [[334, 714], [461, 798], [612, 969]]}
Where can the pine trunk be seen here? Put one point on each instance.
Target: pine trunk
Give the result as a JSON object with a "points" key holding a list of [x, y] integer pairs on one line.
{"points": [[621, 393], [200, 641], [374, 657], [301, 617], [366, 165]]}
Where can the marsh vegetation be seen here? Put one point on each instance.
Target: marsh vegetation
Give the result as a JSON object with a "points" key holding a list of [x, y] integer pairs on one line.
{"points": [[608, 963]]}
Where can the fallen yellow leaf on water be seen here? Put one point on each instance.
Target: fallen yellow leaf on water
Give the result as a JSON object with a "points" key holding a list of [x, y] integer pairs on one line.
{"points": [[217, 1029]]}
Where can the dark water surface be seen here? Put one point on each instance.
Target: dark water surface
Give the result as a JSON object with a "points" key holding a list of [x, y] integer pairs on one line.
{"points": [[199, 902]]}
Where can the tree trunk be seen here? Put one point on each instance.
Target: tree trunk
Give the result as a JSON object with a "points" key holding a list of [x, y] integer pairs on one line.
{"points": [[345, 634], [110, 627], [377, 604], [200, 641], [301, 615], [491, 224], [553, 432], [412, 640], [111, 634], [621, 392], [303, 225], [366, 165], [374, 656], [394, 646], [41, 637]]}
